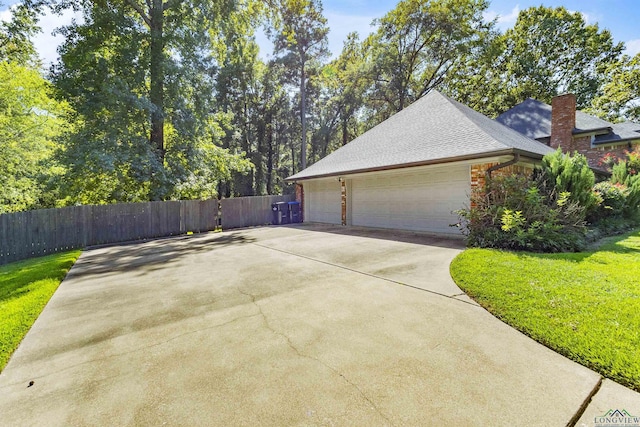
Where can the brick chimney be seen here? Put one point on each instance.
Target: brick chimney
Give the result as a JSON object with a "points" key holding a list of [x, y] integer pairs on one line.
{"points": [[563, 121]]}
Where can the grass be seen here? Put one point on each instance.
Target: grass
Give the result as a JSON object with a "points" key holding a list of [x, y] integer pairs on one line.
{"points": [[584, 305], [25, 288]]}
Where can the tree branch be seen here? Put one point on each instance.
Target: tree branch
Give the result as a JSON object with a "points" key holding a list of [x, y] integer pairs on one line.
{"points": [[138, 9]]}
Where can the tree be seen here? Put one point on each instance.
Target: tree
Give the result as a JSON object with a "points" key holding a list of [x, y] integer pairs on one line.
{"points": [[140, 76], [29, 122], [550, 51], [299, 36], [418, 45], [620, 97], [346, 80], [16, 35]]}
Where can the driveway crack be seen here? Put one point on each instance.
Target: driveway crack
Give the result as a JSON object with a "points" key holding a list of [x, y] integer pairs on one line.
{"points": [[297, 351]]}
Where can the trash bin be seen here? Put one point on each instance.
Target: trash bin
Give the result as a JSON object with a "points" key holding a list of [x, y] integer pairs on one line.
{"points": [[294, 212], [280, 213], [284, 208], [277, 214]]}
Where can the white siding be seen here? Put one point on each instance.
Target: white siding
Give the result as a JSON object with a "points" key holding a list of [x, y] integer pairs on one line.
{"points": [[420, 200], [322, 201]]}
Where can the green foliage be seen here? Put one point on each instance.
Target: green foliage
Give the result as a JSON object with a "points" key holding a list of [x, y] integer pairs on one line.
{"points": [[611, 201], [549, 51], [617, 100], [16, 34], [145, 122], [585, 306], [626, 170], [621, 194], [299, 37], [571, 174], [515, 212], [25, 288], [418, 45], [30, 120]]}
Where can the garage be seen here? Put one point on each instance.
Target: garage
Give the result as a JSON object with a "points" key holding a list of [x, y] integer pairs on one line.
{"points": [[411, 200], [322, 201], [415, 169]]}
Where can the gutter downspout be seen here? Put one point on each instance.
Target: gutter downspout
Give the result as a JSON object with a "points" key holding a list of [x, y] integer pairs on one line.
{"points": [[516, 159]]}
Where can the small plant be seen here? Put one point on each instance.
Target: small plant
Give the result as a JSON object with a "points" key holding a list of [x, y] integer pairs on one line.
{"points": [[612, 200], [608, 161]]}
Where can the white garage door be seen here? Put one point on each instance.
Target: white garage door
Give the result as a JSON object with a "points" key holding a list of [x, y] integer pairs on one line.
{"points": [[322, 200], [419, 200]]}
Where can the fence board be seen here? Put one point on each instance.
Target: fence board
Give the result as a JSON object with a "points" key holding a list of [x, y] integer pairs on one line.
{"points": [[249, 211], [41, 232]]}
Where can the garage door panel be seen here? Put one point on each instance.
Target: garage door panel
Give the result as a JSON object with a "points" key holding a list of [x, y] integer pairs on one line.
{"points": [[322, 202], [419, 201]]}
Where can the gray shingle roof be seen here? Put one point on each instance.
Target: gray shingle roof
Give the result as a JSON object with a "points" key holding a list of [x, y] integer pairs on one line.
{"points": [[621, 132], [434, 128], [533, 119]]}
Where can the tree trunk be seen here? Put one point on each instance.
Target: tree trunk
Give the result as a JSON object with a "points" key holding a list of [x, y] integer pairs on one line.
{"points": [[345, 131], [157, 95], [270, 130], [303, 118]]}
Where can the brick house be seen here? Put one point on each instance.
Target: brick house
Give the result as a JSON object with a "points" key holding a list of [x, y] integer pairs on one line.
{"points": [[415, 169], [561, 125]]}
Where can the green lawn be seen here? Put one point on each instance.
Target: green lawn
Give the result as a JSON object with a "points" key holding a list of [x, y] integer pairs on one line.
{"points": [[585, 305], [25, 288]]}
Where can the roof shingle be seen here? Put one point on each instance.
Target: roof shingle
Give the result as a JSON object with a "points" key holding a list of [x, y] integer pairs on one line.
{"points": [[431, 129], [533, 119]]}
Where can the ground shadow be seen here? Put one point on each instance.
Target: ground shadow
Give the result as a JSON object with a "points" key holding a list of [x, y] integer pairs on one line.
{"points": [[151, 255], [403, 236], [611, 244]]}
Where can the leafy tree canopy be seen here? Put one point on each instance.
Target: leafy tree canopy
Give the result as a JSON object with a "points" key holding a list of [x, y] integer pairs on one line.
{"points": [[29, 122]]}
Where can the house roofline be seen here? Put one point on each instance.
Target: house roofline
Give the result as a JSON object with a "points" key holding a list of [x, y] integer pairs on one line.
{"points": [[510, 151], [616, 141], [577, 131]]}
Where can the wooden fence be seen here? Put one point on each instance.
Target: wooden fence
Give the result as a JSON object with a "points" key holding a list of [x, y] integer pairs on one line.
{"points": [[249, 211], [45, 231]]}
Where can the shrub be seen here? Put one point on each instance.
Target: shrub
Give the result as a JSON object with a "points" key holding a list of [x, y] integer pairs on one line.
{"points": [[545, 212], [612, 200], [626, 171], [626, 174], [564, 173], [512, 213]]}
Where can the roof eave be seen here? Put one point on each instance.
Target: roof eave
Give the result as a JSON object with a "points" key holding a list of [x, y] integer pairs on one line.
{"points": [[534, 156], [616, 141], [606, 129]]}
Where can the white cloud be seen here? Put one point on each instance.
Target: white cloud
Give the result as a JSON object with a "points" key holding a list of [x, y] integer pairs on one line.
{"points": [[45, 42], [632, 47], [589, 17], [511, 17], [503, 21], [5, 15]]}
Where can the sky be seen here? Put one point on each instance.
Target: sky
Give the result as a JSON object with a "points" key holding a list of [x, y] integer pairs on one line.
{"points": [[345, 16]]}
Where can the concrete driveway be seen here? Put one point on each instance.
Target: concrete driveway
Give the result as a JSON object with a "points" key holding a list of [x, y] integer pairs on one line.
{"points": [[307, 325]]}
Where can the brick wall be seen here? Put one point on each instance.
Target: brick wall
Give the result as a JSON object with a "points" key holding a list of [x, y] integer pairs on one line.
{"points": [[594, 154], [563, 121], [478, 173], [300, 199]]}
